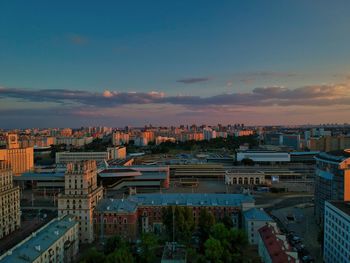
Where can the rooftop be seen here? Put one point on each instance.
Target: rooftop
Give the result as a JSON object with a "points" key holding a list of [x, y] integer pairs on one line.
{"points": [[335, 156], [116, 205], [32, 247], [191, 199], [342, 206], [278, 249], [256, 214], [130, 204]]}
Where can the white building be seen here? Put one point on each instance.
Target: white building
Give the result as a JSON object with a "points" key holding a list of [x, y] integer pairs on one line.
{"points": [[209, 134], [246, 177], [57, 241], [253, 220], [336, 232]]}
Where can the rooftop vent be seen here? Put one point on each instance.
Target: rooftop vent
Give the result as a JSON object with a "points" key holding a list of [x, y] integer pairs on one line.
{"points": [[38, 248], [108, 208], [56, 232]]}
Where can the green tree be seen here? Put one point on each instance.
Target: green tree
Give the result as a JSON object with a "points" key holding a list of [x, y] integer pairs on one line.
{"points": [[213, 250], [205, 222], [184, 223], [112, 244], [148, 246], [93, 256], [120, 255]]}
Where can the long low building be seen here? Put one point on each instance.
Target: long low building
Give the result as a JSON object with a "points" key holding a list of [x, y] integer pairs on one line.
{"points": [[260, 156], [143, 212], [57, 241], [244, 177], [205, 171], [113, 178]]}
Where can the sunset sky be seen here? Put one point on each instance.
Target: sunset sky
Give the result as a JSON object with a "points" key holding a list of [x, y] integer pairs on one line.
{"points": [[117, 63]]}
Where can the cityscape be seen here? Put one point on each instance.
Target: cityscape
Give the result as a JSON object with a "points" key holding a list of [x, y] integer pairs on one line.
{"points": [[174, 132]]}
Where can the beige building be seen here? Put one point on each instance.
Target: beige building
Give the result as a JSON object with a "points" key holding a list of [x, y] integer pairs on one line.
{"points": [[118, 152], [329, 143], [10, 213], [244, 177], [57, 241], [20, 159], [81, 196]]}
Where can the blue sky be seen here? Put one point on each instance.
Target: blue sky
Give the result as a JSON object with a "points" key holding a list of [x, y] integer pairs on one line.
{"points": [[178, 49]]}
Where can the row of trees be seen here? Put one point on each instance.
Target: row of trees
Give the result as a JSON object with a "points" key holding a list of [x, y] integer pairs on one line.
{"points": [[117, 250], [210, 241], [230, 143]]}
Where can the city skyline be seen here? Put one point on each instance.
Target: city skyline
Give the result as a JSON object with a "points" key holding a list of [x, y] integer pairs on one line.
{"points": [[258, 63]]}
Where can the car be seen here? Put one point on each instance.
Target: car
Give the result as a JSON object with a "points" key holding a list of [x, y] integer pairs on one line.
{"points": [[307, 259]]}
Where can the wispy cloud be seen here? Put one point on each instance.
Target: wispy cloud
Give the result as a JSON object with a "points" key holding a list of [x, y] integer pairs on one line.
{"points": [[193, 80], [317, 95]]}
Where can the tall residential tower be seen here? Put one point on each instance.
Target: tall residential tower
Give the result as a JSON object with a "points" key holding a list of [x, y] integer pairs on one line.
{"points": [[81, 195]]}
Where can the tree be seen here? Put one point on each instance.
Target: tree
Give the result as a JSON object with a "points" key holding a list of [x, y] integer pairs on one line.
{"points": [[213, 250], [184, 223], [120, 255], [149, 243], [227, 221], [112, 244], [93, 256], [205, 222]]}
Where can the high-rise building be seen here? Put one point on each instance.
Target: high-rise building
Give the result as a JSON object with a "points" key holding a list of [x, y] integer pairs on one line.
{"points": [[80, 197], [9, 201], [20, 159], [332, 180], [336, 232], [120, 138]]}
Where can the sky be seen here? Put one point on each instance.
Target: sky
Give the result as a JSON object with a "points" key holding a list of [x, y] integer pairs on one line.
{"points": [[117, 63]]}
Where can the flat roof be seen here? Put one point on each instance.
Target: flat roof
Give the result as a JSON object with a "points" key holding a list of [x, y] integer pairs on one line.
{"points": [[335, 156], [116, 205], [132, 202], [28, 250], [190, 199], [342, 206], [256, 214]]}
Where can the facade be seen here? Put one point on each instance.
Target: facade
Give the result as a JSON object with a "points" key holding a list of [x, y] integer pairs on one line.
{"points": [[273, 246], [57, 241], [246, 177], [20, 159], [118, 152], [253, 220], [81, 195], [143, 212], [120, 138], [243, 133], [74, 141], [291, 140], [336, 232], [67, 157], [10, 213], [329, 143], [332, 180]]}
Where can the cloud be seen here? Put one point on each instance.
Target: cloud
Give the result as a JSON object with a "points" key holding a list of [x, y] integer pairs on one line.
{"points": [[317, 95], [78, 39], [193, 80]]}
